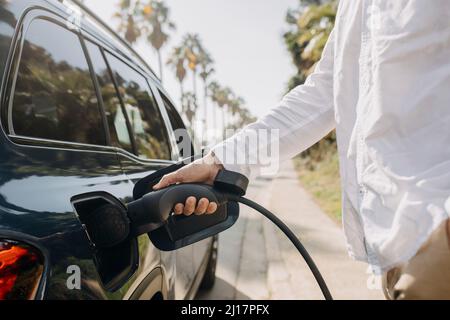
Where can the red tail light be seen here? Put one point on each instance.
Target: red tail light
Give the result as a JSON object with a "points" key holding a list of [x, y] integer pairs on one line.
{"points": [[21, 268]]}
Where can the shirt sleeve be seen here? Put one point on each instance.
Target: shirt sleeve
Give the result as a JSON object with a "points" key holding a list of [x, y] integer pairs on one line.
{"points": [[302, 118]]}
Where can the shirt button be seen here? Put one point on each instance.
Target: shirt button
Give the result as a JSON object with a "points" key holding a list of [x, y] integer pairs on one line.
{"points": [[362, 189]]}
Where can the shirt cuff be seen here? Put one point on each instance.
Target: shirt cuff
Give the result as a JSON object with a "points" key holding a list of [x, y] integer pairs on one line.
{"points": [[225, 152]]}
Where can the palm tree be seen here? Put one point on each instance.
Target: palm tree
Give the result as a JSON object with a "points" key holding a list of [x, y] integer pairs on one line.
{"points": [[223, 99], [193, 47], [206, 70], [235, 106], [189, 105], [214, 89], [311, 25], [156, 13], [245, 118], [6, 15], [178, 60], [129, 26]]}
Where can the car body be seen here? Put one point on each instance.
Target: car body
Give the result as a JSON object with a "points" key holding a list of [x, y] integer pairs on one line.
{"points": [[81, 112]]}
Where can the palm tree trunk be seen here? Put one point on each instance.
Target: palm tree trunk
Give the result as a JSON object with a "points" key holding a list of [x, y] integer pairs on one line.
{"points": [[214, 119], [158, 52], [194, 87], [194, 75], [181, 96], [224, 121], [205, 106]]}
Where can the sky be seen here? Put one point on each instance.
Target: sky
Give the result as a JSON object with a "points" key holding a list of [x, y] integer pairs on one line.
{"points": [[243, 36]]}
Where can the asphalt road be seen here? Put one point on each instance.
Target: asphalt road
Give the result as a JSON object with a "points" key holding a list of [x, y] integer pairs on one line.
{"points": [[256, 261]]}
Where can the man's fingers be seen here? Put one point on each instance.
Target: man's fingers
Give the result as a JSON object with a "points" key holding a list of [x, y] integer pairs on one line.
{"points": [[202, 206], [178, 210], [211, 208], [189, 207], [167, 180]]}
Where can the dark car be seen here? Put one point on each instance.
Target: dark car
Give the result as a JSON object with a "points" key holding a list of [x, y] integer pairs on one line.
{"points": [[81, 112]]}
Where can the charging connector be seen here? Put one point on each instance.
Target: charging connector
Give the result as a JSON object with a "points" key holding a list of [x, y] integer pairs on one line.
{"points": [[152, 213]]}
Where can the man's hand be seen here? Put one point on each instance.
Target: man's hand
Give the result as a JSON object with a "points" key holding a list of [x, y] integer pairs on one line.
{"points": [[203, 170]]}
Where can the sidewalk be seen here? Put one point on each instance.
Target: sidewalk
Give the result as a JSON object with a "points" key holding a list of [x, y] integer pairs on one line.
{"points": [[256, 261]]}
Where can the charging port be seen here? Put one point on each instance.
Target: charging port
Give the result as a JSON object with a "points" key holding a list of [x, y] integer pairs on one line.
{"points": [[117, 263]]}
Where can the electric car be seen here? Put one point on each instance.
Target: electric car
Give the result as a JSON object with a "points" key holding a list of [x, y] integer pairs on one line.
{"points": [[81, 112]]}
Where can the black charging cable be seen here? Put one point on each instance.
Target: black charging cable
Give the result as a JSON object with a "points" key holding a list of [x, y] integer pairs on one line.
{"points": [[112, 224], [292, 237]]}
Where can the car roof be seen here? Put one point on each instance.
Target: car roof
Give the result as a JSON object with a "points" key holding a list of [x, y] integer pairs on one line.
{"points": [[95, 27], [107, 35]]}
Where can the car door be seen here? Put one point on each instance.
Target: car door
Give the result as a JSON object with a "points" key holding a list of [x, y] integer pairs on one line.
{"points": [[56, 148], [185, 148], [120, 137], [150, 149]]}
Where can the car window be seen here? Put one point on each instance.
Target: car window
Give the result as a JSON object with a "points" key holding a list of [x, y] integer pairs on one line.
{"points": [[54, 96], [119, 134], [145, 118], [174, 117], [183, 139]]}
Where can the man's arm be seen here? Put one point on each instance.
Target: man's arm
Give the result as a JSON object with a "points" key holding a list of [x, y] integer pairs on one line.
{"points": [[303, 117]]}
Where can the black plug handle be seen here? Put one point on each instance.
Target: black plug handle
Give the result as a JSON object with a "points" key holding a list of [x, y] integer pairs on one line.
{"points": [[231, 183], [154, 209]]}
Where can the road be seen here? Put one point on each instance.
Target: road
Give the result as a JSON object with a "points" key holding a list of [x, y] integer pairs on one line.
{"points": [[256, 261]]}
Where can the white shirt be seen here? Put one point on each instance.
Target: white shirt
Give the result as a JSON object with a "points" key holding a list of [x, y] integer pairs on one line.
{"points": [[384, 83]]}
